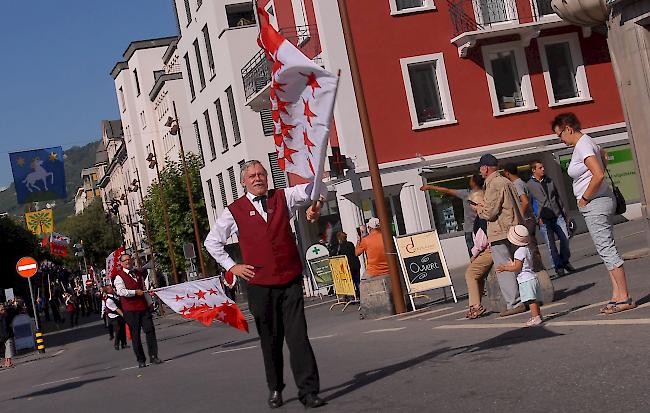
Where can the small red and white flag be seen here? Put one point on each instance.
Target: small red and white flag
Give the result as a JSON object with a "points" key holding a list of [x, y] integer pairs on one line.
{"points": [[59, 244], [113, 263], [203, 300], [302, 103]]}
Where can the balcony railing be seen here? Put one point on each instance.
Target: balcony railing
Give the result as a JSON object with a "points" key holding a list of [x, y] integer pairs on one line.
{"points": [[478, 15], [256, 73]]}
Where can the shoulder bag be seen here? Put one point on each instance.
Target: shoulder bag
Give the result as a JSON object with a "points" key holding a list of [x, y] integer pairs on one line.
{"points": [[621, 206]]}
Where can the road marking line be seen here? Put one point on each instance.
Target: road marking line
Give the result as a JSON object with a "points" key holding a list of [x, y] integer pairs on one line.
{"points": [[57, 381], [446, 315], [320, 337], [59, 352], [384, 330], [319, 304], [574, 323], [129, 368], [526, 312], [424, 313], [234, 349], [587, 307]]}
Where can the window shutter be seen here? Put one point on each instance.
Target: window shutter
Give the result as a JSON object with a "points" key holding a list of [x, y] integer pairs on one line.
{"points": [[278, 175]]}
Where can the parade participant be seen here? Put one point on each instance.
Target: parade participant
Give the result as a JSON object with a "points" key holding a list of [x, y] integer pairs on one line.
{"points": [[7, 314], [345, 247], [529, 289], [273, 269], [596, 204], [111, 308], [475, 184], [501, 211], [71, 309], [136, 306], [373, 246]]}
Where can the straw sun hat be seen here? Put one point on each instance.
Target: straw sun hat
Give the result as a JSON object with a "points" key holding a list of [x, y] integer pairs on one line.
{"points": [[518, 235]]}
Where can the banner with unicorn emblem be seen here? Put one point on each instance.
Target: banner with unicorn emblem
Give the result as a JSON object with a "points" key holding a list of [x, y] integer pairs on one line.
{"points": [[38, 174]]}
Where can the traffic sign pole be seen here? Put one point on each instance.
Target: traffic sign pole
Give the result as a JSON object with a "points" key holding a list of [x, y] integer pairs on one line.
{"points": [[31, 294]]}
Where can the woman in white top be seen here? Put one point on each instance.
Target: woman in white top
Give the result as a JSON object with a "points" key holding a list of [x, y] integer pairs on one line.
{"points": [[596, 203]]}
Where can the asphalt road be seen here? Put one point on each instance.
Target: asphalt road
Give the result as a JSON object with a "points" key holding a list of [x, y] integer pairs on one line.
{"points": [[430, 360]]}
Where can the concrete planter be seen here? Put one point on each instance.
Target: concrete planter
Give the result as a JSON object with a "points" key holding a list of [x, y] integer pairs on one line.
{"points": [[582, 12]]}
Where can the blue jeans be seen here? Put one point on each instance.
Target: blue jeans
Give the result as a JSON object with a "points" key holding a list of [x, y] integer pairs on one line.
{"points": [[553, 230]]}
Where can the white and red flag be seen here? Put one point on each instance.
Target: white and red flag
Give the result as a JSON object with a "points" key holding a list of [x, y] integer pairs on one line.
{"points": [[113, 263], [204, 301], [59, 244], [302, 103]]}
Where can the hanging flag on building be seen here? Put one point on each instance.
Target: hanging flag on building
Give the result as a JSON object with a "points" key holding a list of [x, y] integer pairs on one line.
{"points": [[38, 174], [203, 300], [40, 222], [59, 244], [302, 103], [113, 263]]}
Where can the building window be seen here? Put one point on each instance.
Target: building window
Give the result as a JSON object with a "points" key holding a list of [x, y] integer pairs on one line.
{"points": [[233, 182], [208, 48], [427, 91], [410, 6], [189, 75], [273, 19], [508, 78], [268, 126], [277, 174], [213, 203], [122, 101], [239, 15], [188, 12], [300, 18], [564, 70], [233, 115], [543, 7], [199, 63], [137, 81], [222, 125], [197, 133], [208, 126], [222, 190], [241, 166]]}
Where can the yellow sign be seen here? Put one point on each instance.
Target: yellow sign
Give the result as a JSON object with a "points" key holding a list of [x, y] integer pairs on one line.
{"points": [[341, 275], [40, 222]]}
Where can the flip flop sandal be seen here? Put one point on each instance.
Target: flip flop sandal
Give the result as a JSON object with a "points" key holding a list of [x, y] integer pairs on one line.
{"points": [[477, 312], [621, 306], [607, 307]]}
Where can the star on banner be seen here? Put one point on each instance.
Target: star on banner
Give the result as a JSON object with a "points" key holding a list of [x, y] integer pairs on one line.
{"points": [[200, 295], [53, 156], [179, 298], [20, 161]]}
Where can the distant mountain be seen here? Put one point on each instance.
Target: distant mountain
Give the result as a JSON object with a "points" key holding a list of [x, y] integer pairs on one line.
{"points": [[76, 158]]}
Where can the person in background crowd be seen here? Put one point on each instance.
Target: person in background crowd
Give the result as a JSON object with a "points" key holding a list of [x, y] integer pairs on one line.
{"points": [[475, 184], [54, 307], [551, 216], [273, 269], [373, 246], [137, 308], [104, 315], [111, 308], [596, 204], [510, 171], [7, 314], [345, 247], [522, 265], [71, 309], [501, 211], [480, 261]]}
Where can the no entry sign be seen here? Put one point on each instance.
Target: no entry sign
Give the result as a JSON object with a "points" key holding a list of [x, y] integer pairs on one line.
{"points": [[26, 267]]}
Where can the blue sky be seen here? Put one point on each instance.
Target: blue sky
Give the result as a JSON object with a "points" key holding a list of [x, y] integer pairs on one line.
{"points": [[55, 84]]}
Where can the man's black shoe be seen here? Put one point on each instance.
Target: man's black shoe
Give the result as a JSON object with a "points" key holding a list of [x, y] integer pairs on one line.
{"points": [[142, 364], [117, 347], [569, 267], [155, 360], [275, 399], [560, 272], [312, 401]]}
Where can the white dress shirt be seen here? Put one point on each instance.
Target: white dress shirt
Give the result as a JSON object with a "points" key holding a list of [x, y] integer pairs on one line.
{"points": [[226, 226], [122, 291], [109, 305]]}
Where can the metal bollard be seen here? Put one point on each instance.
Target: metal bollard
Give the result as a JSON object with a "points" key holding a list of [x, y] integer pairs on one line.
{"points": [[40, 341]]}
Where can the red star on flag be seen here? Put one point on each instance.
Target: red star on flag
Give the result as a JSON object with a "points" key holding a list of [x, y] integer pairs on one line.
{"points": [[178, 298], [200, 295], [190, 296], [312, 82], [277, 86], [278, 138], [308, 113], [286, 128], [288, 152], [212, 291], [308, 143], [282, 105]]}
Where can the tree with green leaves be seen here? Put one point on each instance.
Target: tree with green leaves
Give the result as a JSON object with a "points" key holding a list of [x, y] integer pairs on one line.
{"points": [[180, 216]]}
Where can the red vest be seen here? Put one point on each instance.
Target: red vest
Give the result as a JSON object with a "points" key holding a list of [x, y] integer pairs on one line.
{"points": [[268, 245], [135, 303]]}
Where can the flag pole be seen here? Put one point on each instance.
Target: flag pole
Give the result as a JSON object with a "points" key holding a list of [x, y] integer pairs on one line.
{"points": [[373, 166]]}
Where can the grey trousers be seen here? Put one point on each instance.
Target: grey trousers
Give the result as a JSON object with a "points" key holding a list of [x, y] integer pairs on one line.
{"points": [[507, 280]]}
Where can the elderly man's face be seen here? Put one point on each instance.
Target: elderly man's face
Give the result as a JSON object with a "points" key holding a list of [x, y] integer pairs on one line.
{"points": [[126, 262], [256, 180]]}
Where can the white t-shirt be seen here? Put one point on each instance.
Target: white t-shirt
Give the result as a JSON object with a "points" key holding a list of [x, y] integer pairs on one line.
{"points": [[524, 255], [578, 171]]}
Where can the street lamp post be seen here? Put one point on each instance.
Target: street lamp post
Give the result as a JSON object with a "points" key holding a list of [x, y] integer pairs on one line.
{"points": [[176, 129], [152, 158], [138, 187]]}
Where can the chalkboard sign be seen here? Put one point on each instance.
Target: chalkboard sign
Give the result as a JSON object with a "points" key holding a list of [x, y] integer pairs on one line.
{"points": [[423, 268], [423, 262], [320, 268]]}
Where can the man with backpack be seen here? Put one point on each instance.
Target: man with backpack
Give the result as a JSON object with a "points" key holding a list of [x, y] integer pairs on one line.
{"points": [[112, 309]]}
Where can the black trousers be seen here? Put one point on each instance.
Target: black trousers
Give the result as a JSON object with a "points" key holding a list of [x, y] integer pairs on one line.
{"points": [[119, 331], [280, 314], [142, 320]]}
